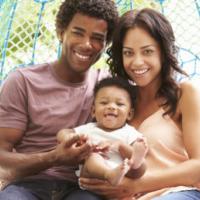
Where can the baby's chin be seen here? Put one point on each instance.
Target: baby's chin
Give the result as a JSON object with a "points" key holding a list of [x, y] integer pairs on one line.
{"points": [[110, 127]]}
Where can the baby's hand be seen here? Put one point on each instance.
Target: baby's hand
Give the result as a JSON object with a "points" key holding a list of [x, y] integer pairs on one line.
{"points": [[83, 138], [103, 146]]}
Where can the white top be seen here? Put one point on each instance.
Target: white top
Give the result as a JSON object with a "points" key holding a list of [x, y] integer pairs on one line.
{"points": [[127, 134]]}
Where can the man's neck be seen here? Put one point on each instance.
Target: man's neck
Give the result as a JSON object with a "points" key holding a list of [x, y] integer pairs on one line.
{"points": [[68, 75]]}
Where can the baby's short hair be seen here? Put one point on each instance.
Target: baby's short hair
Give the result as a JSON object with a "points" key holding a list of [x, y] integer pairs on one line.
{"points": [[119, 83]]}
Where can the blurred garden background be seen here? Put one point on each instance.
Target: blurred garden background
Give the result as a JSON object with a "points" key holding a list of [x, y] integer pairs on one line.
{"points": [[27, 31]]}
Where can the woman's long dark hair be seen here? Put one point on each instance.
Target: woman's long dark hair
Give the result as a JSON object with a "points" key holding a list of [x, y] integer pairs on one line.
{"points": [[160, 29]]}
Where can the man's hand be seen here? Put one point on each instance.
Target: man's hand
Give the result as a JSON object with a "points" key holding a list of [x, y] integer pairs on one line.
{"points": [[73, 149]]}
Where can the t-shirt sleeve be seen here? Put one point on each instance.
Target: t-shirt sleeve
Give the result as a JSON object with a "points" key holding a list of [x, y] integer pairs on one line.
{"points": [[84, 128], [132, 134], [13, 102]]}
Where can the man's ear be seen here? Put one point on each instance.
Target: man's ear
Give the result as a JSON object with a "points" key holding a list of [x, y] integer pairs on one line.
{"points": [[60, 36], [130, 115]]}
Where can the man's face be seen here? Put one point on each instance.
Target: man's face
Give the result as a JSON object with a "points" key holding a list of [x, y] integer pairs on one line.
{"points": [[83, 41]]}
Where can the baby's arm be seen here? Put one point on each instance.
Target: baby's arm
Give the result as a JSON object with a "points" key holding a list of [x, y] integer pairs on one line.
{"points": [[64, 134], [67, 134], [125, 150]]}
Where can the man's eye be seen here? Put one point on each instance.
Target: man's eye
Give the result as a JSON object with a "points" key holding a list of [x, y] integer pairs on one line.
{"points": [[77, 33], [99, 39]]}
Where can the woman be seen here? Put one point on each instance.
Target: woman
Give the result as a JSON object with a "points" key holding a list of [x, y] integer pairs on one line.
{"points": [[167, 112]]}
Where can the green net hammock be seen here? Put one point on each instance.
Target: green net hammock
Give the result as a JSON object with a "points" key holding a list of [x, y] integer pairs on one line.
{"points": [[27, 31]]}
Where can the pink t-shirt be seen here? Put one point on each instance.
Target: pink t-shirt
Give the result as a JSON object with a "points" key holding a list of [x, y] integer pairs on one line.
{"points": [[37, 101]]}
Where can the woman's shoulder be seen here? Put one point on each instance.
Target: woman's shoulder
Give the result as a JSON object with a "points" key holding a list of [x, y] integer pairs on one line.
{"points": [[190, 93], [189, 86]]}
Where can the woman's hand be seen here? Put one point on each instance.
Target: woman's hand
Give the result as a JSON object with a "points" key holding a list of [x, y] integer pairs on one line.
{"points": [[101, 187]]}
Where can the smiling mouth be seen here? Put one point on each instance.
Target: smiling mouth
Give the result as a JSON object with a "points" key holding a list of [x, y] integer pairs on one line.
{"points": [[110, 115], [82, 57], [140, 71]]}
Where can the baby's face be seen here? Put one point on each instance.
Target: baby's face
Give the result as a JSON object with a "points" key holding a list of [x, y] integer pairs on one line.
{"points": [[112, 108]]}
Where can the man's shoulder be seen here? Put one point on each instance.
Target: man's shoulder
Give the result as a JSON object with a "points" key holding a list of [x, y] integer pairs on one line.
{"points": [[38, 68], [34, 72], [29, 70], [26, 74], [98, 74]]}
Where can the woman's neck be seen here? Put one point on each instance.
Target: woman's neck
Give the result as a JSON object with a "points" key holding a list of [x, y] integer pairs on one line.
{"points": [[147, 102], [149, 92], [146, 94]]}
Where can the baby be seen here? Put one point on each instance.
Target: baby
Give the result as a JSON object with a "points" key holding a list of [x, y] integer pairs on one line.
{"points": [[119, 149]]}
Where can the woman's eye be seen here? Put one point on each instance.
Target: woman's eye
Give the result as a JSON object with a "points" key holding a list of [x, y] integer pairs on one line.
{"points": [[148, 51], [127, 53]]}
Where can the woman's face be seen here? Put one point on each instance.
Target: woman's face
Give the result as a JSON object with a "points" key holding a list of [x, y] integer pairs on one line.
{"points": [[141, 57]]}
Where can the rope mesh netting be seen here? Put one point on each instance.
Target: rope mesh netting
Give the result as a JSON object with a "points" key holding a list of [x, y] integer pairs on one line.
{"points": [[27, 31]]}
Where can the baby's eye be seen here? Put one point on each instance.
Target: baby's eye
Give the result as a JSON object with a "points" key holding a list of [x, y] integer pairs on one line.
{"points": [[120, 104], [103, 102]]}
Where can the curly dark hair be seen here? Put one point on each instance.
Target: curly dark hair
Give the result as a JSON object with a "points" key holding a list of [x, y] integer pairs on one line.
{"points": [[101, 9], [160, 29], [118, 82]]}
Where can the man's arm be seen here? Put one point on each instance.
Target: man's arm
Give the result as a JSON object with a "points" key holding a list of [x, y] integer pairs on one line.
{"points": [[15, 165]]}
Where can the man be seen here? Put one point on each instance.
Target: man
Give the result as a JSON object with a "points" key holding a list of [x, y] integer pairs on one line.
{"points": [[36, 102]]}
